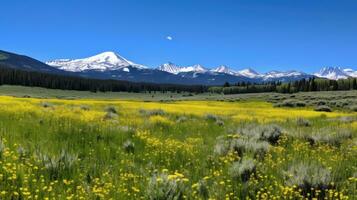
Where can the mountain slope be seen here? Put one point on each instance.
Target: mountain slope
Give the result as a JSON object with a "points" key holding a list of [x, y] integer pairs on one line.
{"points": [[16, 61]]}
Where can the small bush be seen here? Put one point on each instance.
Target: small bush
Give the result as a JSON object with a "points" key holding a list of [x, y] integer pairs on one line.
{"points": [[241, 146], [303, 122], [323, 108], [152, 112], [321, 103], [330, 137], [57, 166], [307, 177], [220, 123], [257, 148], [161, 187], [242, 169], [270, 133], [85, 107], [2, 148], [222, 146], [202, 189], [290, 103], [181, 119], [212, 117], [46, 104], [353, 108], [110, 115], [111, 109], [347, 119], [129, 146]]}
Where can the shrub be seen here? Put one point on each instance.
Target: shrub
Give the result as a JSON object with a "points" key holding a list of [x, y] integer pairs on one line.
{"points": [[222, 146], [57, 166], [307, 176], [290, 103], [257, 148], [152, 112], [220, 123], [242, 169], [110, 115], [181, 119], [300, 104], [245, 145], [111, 109], [270, 133], [303, 122], [347, 119], [212, 117], [320, 103], [85, 107], [330, 137], [129, 146], [22, 152], [353, 108], [163, 187], [46, 104], [323, 108], [2, 148], [202, 189]]}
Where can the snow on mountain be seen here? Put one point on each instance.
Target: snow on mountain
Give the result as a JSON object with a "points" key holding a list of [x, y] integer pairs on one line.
{"points": [[250, 73], [350, 72], [333, 73], [279, 74], [224, 69], [106, 61], [174, 69], [110, 61]]}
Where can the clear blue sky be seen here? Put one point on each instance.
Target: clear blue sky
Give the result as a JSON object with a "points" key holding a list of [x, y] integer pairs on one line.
{"points": [[262, 34]]}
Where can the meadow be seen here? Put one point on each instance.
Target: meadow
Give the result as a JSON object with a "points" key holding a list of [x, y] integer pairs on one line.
{"points": [[189, 147]]}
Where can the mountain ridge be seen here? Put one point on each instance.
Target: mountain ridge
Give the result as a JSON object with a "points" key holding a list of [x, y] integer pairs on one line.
{"points": [[113, 61], [110, 65]]}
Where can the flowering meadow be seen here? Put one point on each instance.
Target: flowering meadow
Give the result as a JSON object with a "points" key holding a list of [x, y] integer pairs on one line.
{"points": [[133, 149]]}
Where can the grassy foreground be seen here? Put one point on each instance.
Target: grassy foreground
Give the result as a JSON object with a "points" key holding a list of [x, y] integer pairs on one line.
{"points": [[132, 149]]}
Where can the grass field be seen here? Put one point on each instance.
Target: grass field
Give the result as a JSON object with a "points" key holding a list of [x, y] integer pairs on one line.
{"points": [[79, 145]]}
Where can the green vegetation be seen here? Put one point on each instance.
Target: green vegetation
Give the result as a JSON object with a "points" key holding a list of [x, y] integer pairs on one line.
{"points": [[3, 56], [304, 85], [233, 146]]}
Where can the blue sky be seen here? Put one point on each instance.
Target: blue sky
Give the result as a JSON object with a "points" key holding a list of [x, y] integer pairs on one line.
{"points": [[265, 35]]}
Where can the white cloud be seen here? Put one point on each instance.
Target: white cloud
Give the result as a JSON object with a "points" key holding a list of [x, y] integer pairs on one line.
{"points": [[169, 37]]}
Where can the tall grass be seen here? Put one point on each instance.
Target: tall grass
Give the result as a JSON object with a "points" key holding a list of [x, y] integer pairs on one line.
{"points": [[173, 150]]}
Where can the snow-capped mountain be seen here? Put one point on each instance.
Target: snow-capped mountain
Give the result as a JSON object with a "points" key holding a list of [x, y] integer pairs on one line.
{"points": [[250, 73], [106, 61], [224, 69], [279, 74], [113, 66], [174, 69], [350, 72], [335, 73]]}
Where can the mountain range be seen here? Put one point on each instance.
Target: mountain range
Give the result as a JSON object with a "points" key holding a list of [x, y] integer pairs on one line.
{"points": [[110, 65]]}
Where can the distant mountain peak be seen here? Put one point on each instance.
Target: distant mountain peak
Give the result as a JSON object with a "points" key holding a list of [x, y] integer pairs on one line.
{"points": [[224, 69], [106, 61], [174, 69], [248, 72], [333, 73]]}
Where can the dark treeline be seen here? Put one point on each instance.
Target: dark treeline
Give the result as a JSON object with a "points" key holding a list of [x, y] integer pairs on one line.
{"points": [[304, 85], [10, 76]]}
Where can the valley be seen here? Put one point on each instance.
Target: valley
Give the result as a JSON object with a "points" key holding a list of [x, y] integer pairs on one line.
{"points": [[60, 144]]}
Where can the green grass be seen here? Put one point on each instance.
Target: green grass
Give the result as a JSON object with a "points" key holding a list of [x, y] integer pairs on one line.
{"points": [[58, 151]]}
